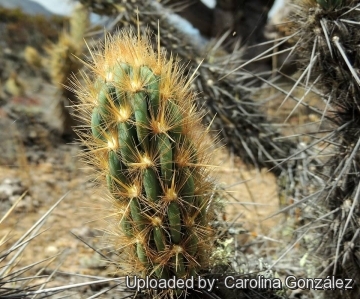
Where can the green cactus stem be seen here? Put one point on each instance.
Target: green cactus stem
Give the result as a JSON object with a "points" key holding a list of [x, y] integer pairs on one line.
{"points": [[145, 123]]}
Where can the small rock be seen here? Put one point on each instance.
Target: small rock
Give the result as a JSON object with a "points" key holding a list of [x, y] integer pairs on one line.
{"points": [[3, 196], [51, 250], [10, 188], [32, 134], [5, 191]]}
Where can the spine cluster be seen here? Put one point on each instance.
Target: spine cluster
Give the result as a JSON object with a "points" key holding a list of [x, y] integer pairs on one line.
{"points": [[153, 152]]}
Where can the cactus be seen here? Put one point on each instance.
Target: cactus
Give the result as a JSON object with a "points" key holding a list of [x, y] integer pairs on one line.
{"points": [[79, 23], [148, 140], [328, 38], [62, 61], [228, 104], [329, 4], [62, 55]]}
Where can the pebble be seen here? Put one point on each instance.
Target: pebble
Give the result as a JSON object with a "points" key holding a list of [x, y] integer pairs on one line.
{"points": [[11, 187], [51, 250]]}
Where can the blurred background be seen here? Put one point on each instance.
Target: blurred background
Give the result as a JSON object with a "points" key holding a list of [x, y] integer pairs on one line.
{"points": [[65, 7]]}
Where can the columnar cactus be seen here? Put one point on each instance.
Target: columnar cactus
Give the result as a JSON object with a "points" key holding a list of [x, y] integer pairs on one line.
{"points": [[243, 128], [62, 61], [153, 153], [328, 42]]}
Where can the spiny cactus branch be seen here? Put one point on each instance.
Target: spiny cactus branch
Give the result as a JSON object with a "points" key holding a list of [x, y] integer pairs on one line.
{"points": [[328, 38], [148, 140], [243, 129]]}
